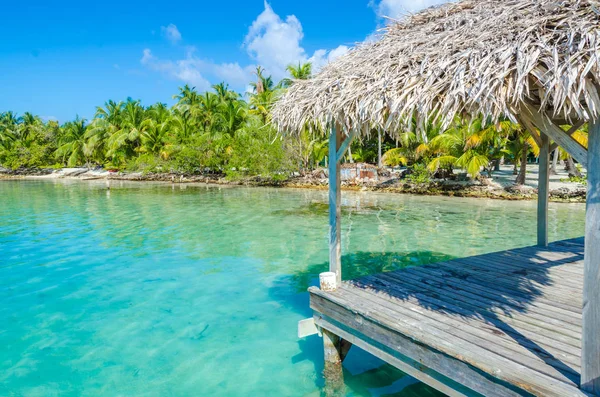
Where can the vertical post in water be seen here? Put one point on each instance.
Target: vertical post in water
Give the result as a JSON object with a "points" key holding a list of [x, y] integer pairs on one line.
{"points": [[333, 372], [379, 164], [543, 191], [335, 245], [590, 342]]}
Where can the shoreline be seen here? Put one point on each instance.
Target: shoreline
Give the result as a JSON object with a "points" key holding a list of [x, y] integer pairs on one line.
{"points": [[486, 189]]}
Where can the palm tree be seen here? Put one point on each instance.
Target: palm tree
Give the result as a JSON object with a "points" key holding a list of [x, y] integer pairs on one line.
{"points": [[265, 92], [208, 110], [394, 157], [111, 112], [232, 116], [30, 125], [519, 146], [187, 96], [159, 112], [224, 93], [72, 144], [301, 72], [456, 147], [127, 139], [182, 124], [9, 122], [107, 121], [155, 136]]}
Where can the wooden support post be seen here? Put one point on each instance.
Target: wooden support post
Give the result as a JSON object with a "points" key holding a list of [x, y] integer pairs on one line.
{"points": [[335, 198], [335, 349], [543, 191], [530, 115], [590, 341], [333, 371], [379, 164]]}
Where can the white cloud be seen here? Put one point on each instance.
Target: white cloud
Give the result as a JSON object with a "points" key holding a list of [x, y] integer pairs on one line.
{"points": [[171, 33], [233, 73], [271, 41], [399, 8], [322, 57], [275, 43], [187, 70]]}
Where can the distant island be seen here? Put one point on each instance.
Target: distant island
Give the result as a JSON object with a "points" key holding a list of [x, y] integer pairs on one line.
{"points": [[222, 136]]}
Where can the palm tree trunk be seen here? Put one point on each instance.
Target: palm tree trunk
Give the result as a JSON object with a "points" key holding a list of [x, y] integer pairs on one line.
{"points": [[523, 170], [571, 168], [554, 162], [350, 154], [497, 164]]}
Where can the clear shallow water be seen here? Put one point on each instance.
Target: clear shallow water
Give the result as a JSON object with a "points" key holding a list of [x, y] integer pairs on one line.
{"points": [[150, 290]]}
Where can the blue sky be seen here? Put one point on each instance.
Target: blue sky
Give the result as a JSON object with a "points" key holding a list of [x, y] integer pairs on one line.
{"points": [[59, 59]]}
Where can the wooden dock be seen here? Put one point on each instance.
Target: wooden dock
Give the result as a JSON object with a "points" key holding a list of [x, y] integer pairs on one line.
{"points": [[502, 324]]}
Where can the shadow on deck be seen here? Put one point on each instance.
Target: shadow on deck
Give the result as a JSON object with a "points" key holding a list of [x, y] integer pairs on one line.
{"points": [[506, 323]]}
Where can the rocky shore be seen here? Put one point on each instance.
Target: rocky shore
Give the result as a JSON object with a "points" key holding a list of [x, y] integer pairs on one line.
{"points": [[493, 188]]}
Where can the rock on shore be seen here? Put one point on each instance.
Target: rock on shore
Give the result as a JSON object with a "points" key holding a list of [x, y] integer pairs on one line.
{"points": [[485, 188]]}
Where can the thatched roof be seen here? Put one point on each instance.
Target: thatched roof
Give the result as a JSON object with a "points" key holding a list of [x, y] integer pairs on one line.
{"points": [[478, 57]]}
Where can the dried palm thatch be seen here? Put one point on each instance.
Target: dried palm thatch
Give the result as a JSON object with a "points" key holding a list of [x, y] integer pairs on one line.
{"points": [[476, 57]]}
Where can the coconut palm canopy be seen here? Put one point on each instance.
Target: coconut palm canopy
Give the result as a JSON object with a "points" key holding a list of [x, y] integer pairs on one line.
{"points": [[477, 57]]}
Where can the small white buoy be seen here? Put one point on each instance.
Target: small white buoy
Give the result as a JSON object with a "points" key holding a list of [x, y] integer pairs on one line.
{"points": [[328, 281]]}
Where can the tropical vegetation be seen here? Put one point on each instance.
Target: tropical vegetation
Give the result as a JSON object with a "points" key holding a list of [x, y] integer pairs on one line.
{"points": [[220, 131]]}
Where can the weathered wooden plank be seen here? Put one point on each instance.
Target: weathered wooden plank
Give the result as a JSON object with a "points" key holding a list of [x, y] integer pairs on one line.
{"points": [[343, 148], [556, 252], [455, 314], [544, 123], [508, 324], [473, 332], [563, 262], [389, 355], [553, 281], [554, 256], [568, 264], [420, 355], [504, 288], [487, 287], [543, 190], [476, 271], [515, 299], [590, 357], [335, 231], [574, 242], [497, 366], [544, 277], [514, 268], [487, 308], [522, 306], [570, 132]]}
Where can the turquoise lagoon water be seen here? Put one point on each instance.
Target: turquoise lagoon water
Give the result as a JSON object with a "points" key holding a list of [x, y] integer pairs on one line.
{"points": [[154, 290]]}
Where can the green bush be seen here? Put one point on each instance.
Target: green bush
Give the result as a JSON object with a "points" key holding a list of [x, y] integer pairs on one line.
{"points": [[147, 163], [32, 155], [258, 151], [576, 179], [420, 174]]}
